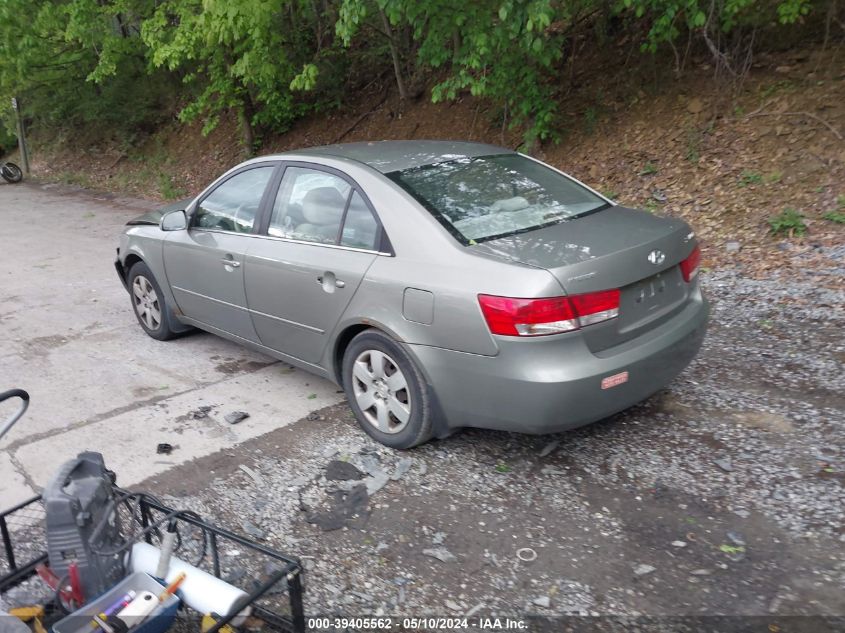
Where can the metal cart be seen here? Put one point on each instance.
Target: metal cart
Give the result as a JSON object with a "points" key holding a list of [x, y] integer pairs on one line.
{"points": [[275, 600]]}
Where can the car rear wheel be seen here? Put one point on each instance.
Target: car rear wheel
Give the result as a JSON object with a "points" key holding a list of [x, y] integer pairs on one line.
{"points": [[149, 304], [386, 391]]}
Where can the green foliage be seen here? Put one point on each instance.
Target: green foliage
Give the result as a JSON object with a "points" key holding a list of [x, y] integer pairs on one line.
{"points": [[121, 67], [502, 51], [649, 169], [789, 222], [750, 178], [838, 215], [669, 19]]}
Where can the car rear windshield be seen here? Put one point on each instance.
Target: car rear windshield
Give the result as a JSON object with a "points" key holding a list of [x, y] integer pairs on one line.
{"points": [[486, 197]]}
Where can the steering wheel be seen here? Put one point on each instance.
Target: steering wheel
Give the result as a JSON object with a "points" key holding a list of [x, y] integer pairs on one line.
{"points": [[243, 208]]}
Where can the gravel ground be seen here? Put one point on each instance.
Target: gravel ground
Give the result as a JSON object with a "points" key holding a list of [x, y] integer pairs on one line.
{"points": [[723, 494]]}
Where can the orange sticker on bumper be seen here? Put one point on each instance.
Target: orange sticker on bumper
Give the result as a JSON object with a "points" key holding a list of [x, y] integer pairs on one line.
{"points": [[614, 380]]}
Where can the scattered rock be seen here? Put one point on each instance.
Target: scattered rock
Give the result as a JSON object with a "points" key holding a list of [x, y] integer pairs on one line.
{"points": [[254, 531], [236, 416], [337, 470], [376, 482], [403, 465], [700, 572], [725, 464], [441, 554], [370, 465], [201, 412], [642, 569], [452, 605], [679, 543], [474, 610], [543, 601], [256, 478], [548, 448]]}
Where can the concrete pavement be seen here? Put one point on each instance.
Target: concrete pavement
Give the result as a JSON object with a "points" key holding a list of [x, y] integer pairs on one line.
{"points": [[97, 382]]}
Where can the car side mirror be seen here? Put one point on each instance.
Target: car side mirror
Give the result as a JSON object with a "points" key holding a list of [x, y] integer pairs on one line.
{"points": [[174, 221]]}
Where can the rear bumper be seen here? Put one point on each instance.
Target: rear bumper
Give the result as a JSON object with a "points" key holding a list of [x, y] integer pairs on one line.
{"points": [[551, 384]]}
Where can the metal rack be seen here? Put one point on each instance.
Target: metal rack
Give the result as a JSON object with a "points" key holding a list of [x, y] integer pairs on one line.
{"points": [[276, 601]]}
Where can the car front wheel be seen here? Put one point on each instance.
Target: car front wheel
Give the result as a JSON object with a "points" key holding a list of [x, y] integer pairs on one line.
{"points": [[149, 304], [386, 391]]}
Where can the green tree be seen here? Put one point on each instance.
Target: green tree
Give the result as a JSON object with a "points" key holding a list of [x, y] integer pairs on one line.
{"points": [[239, 55]]}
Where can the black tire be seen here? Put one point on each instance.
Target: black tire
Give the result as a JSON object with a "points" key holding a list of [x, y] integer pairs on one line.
{"points": [[161, 328], [11, 173], [418, 427]]}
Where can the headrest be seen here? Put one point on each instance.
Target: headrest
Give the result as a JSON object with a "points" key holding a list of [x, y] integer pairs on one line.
{"points": [[323, 205]]}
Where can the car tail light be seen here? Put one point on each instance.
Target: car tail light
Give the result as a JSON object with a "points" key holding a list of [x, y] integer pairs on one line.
{"points": [[510, 316], [689, 267]]}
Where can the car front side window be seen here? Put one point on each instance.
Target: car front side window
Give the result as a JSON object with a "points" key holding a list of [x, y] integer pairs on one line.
{"points": [[233, 205]]}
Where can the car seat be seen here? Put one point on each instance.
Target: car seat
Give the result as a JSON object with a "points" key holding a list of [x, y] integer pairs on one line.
{"points": [[322, 209]]}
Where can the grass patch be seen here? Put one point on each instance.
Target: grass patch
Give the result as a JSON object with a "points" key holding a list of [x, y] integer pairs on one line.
{"points": [[168, 190], [748, 178], [789, 222], [649, 169]]}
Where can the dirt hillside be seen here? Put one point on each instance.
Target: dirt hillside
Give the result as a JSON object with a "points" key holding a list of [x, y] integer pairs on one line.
{"points": [[685, 146]]}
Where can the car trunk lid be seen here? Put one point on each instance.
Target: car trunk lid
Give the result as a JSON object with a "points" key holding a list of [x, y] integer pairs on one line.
{"points": [[631, 250]]}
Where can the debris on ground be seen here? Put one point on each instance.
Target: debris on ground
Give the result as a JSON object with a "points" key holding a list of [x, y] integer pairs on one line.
{"points": [[236, 416], [441, 554], [164, 448], [337, 470]]}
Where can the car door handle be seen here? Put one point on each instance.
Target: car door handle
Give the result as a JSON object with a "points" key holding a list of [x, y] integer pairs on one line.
{"points": [[329, 282], [230, 262]]}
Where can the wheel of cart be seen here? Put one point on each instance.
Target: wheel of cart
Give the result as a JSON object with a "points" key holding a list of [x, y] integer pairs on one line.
{"points": [[267, 583]]}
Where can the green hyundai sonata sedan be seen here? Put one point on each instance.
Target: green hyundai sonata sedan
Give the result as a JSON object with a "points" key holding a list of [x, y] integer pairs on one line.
{"points": [[442, 284]]}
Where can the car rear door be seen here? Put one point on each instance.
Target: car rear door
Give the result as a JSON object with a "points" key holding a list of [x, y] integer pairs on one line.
{"points": [[205, 263], [318, 239]]}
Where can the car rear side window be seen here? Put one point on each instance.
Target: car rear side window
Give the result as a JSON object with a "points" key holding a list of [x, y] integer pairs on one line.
{"points": [[233, 205], [486, 197], [360, 229], [309, 206]]}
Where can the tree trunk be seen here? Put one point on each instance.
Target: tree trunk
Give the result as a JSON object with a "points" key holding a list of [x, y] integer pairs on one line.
{"points": [[245, 114], [397, 66]]}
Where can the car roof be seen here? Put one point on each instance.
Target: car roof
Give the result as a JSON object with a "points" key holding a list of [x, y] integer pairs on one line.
{"points": [[389, 156]]}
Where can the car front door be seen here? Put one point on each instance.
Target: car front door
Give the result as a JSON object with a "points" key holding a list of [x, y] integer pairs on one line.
{"points": [[320, 238], [205, 263]]}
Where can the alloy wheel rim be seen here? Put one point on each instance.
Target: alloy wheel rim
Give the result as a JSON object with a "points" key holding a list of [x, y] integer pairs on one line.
{"points": [[145, 300], [381, 391]]}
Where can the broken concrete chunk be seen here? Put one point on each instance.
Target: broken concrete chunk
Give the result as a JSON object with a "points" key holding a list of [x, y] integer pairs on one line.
{"points": [[236, 416], [342, 471]]}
